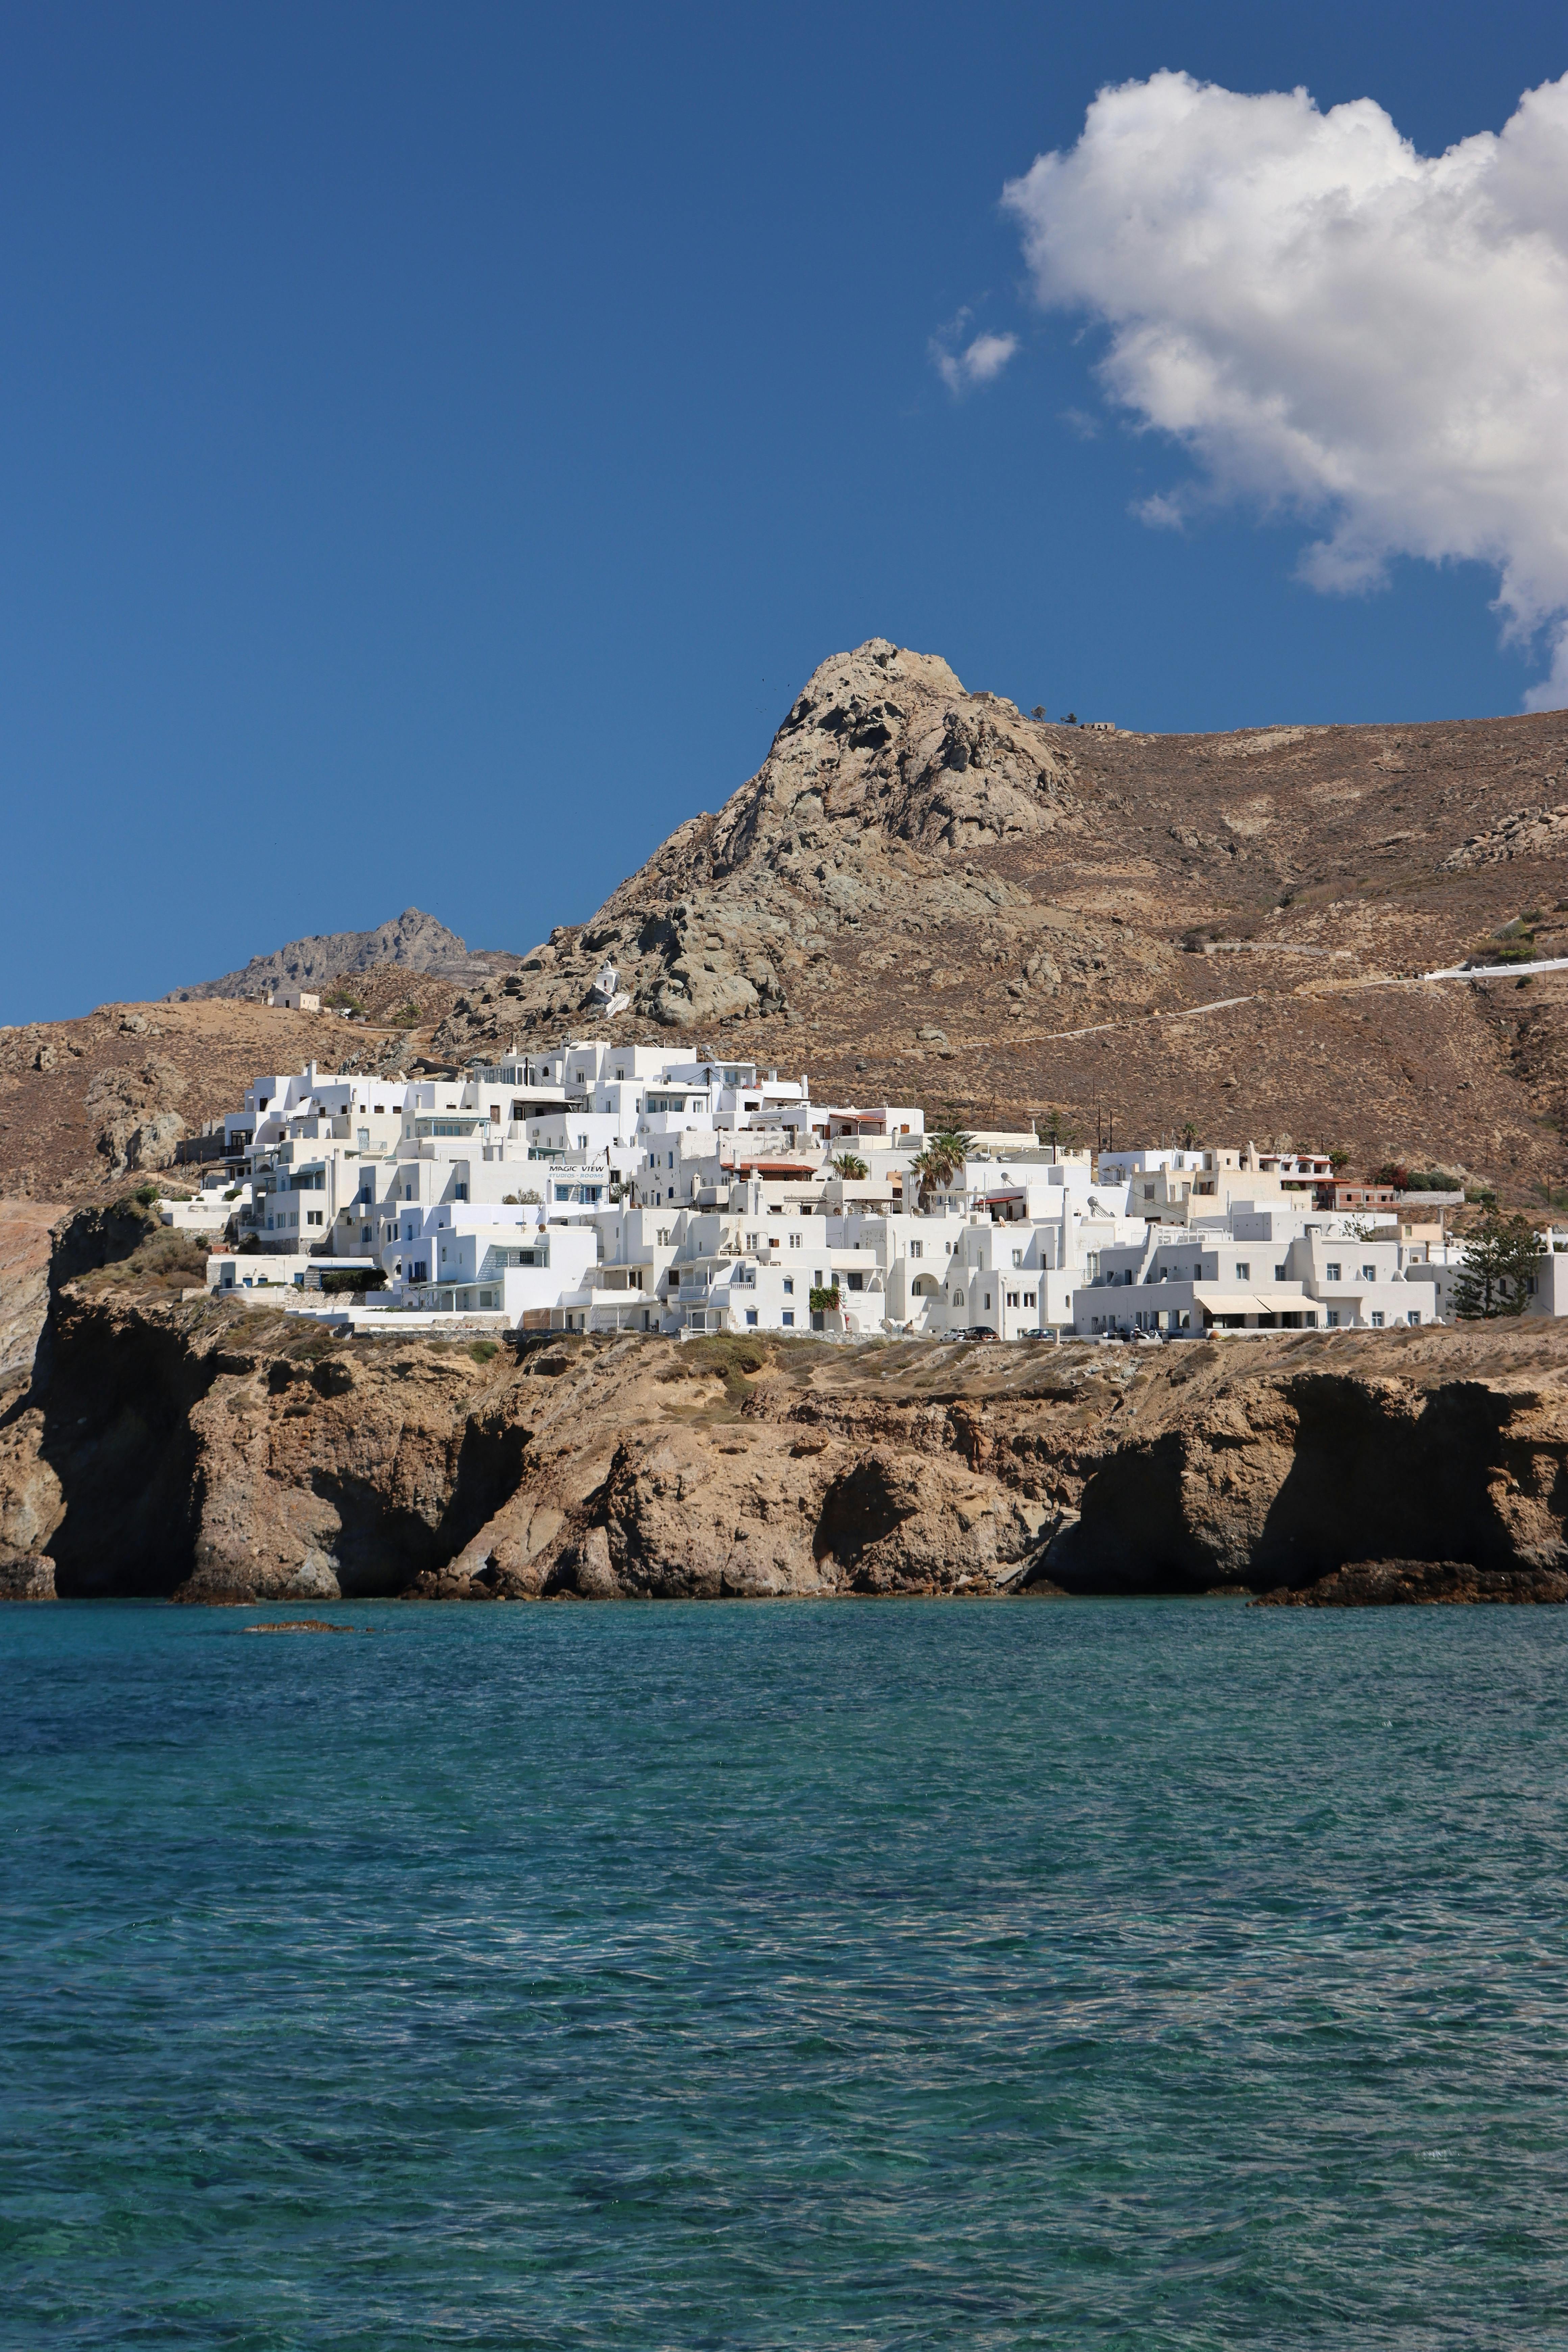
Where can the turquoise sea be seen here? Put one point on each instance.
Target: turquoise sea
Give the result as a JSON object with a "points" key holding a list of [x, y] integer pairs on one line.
{"points": [[1072, 1974]]}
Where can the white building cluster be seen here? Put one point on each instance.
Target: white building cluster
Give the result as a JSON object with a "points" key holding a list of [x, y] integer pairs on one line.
{"points": [[594, 1187]]}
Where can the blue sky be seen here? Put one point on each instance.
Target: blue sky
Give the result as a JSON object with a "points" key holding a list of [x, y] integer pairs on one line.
{"points": [[436, 444]]}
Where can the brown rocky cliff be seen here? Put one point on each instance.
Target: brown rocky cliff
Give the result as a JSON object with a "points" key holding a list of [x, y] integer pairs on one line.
{"points": [[27, 1248], [199, 1447]]}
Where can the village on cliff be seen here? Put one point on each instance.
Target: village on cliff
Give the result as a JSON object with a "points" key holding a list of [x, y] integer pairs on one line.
{"points": [[598, 1187]]}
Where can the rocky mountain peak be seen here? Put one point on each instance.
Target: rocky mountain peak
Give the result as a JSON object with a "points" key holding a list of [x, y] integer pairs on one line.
{"points": [[413, 939], [884, 741], [883, 770]]}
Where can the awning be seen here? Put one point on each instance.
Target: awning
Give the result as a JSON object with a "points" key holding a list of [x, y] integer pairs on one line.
{"points": [[1219, 1301]]}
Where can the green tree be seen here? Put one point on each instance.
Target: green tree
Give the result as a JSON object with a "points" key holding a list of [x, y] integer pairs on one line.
{"points": [[1189, 1136], [1338, 1160], [1499, 1259], [850, 1164], [944, 1154]]}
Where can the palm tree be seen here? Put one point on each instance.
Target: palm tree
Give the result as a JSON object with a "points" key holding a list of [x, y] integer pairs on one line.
{"points": [[850, 1164], [944, 1154], [923, 1166]]}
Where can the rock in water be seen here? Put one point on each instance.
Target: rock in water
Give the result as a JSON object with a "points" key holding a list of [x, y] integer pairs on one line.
{"points": [[1404, 1583]]}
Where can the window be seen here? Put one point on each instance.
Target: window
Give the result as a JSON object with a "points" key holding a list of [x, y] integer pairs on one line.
{"points": [[1017, 1257], [1333, 1318], [958, 1298], [1369, 1273], [1028, 1299], [1414, 1316], [916, 1249], [750, 1316], [1148, 1192], [788, 1319], [1281, 1273], [988, 1300], [789, 1285], [1376, 1319], [817, 1279], [795, 1242], [1011, 1298], [1243, 1270], [314, 1216], [1332, 1271]]}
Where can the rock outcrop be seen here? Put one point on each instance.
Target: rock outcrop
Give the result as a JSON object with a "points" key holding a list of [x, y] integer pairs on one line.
{"points": [[1408, 1583], [26, 1250], [170, 1445], [883, 777], [413, 940]]}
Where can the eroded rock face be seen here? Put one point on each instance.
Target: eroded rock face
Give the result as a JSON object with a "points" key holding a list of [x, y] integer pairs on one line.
{"points": [[1273, 1481], [139, 1127], [26, 1246], [221, 1454], [25, 1576]]}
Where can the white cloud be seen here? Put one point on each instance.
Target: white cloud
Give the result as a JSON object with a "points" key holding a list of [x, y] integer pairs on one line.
{"points": [[977, 361], [1334, 324]]}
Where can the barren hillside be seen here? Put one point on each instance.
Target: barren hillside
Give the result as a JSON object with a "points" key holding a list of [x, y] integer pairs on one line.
{"points": [[1054, 909], [925, 894]]}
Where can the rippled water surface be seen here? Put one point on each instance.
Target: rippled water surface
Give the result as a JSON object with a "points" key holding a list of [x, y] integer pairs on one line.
{"points": [[1071, 1974]]}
